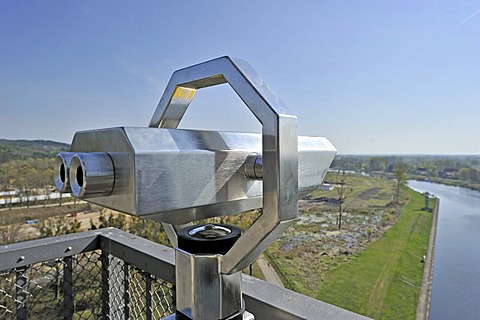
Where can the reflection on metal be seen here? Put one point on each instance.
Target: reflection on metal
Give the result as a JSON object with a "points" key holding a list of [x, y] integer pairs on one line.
{"points": [[61, 171], [198, 297], [254, 167], [91, 175], [179, 176]]}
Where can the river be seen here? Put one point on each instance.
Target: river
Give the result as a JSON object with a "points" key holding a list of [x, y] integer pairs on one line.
{"points": [[456, 275]]}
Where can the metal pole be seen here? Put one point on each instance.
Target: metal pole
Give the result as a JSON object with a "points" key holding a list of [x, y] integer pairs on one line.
{"points": [[21, 294], [148, 295], [105, 286], [126, 291], [68, 304]]}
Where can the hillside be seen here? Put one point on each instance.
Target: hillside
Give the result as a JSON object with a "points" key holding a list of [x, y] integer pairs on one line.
{"points": [[22, 149]]}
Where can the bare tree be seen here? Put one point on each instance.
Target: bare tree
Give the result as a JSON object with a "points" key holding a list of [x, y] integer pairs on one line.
{"points": [[400, 171], [46, 193], [343, 191], [10, 233]]}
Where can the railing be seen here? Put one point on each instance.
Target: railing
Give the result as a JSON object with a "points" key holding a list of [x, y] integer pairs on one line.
{"points": [[111, 274]]}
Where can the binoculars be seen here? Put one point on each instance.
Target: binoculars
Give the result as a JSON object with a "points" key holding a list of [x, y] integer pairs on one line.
{"points": [[179, 176]]}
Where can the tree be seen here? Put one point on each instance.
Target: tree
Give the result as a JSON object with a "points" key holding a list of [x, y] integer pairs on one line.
{"points": [[57, 226], [468, 174], [432, 170], [377, 163], [46, 193], [474, 175], [342, 190], [10, 233], [464, 174], [400, 172], [148, 229], [118, 221]]}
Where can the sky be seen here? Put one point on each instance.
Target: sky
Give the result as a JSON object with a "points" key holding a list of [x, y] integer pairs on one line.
{"points": [[374, 77]]}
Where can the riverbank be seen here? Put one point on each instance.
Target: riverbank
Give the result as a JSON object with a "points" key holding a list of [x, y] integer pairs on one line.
{"points": [[383, 282], [447, 182], [423, 309], [455, 291]]}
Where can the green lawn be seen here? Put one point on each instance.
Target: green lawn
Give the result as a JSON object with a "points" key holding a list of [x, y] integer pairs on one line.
{"points": [[383, 282]]}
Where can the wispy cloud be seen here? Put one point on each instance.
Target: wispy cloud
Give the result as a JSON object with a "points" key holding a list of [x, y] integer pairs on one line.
{"points": [[466, 20], [469, 17]]}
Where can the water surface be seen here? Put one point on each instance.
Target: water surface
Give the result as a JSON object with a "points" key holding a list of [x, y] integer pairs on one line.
{"points": [[456, 276]]}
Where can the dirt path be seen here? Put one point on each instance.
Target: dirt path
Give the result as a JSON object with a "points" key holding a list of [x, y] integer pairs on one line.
{"points": [[367, 194], [270, 274]]}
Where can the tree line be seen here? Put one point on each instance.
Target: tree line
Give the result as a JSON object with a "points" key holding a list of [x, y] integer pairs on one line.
{"points": [[27, 173], [23, 149], [461, 168], [26, 168]]}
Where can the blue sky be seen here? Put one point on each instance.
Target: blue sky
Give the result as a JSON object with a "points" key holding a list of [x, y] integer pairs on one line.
{"points": [[382, 77]]}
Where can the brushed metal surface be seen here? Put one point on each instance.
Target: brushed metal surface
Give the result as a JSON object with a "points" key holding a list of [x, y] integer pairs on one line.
{"points": [[279, 141], [92, 174], [178, 176], [203, 292], [61, 171]]}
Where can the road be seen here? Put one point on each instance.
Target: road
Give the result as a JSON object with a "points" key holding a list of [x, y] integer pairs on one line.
{"points": [[43, 205]]}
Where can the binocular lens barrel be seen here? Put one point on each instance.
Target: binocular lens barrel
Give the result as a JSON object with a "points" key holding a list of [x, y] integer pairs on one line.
{"points": [[85, 175], [91, 175], [61, 171]]}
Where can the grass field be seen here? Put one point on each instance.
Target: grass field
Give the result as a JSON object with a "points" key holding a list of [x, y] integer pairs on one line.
{"points": [[383, 282], [314, 245], [368, 193]]}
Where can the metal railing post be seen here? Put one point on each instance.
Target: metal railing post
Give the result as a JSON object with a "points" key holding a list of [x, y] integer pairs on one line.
{"points": [[21, 293], [126, 291], [68, 303], [105, 286], [148, 295]]}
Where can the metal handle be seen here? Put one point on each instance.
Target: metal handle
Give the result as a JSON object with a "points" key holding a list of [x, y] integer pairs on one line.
{"points": [[279, 144]]}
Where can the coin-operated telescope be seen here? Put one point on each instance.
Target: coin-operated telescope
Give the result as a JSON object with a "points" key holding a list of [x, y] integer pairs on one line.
{"points": [[180, 176]]}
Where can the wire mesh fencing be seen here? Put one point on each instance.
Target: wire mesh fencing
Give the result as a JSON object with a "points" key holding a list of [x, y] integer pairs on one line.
{"points": [[89, 285]]}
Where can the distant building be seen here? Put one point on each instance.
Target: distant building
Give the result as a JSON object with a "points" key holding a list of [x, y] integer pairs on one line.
{"points": [[422, 171], [448, 173]]}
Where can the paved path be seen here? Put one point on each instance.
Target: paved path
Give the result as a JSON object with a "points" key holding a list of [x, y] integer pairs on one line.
{"points": [[43, 206], [270, 274], [423, 309]]}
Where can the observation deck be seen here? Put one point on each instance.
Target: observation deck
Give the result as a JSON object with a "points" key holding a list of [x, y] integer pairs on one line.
{"points": [[112, 274]]}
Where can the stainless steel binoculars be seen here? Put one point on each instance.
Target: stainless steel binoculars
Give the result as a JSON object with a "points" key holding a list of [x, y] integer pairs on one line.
{"points": [[178, 176]]}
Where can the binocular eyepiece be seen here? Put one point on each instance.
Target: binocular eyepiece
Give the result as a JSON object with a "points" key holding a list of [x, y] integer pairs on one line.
{"points": [[85, 175]]}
